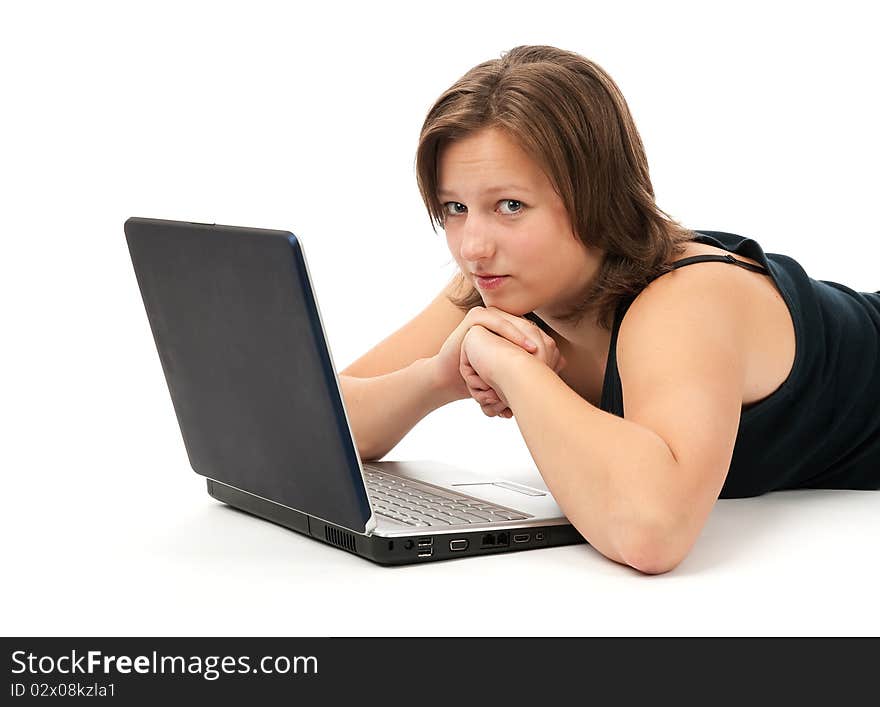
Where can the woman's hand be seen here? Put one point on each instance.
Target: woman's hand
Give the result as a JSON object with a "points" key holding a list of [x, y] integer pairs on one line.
{"points": [[482, 352], [517, 330]]}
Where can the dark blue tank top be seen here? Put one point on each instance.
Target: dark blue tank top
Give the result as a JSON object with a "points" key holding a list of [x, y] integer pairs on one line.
{"points": [[821, 427]]}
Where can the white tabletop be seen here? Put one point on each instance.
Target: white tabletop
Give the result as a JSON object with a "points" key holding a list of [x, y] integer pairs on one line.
{"points": [[121, 538]]}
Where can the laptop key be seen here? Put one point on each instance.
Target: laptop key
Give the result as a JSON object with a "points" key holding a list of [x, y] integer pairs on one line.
{"points": [[431, 497], [399, 519], [482, 515], [401, 497], [443, 494], [422, 506], [503, 514], [460, 507]]}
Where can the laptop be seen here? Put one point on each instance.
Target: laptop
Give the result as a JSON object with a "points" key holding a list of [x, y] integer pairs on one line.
{"points": [[239, 335]]}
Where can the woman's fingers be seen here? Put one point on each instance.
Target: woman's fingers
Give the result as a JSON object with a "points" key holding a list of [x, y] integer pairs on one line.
{"points": [[493, 410], [497, 410], [474, 382], [490, 400], [517, 330], [486, 398]]}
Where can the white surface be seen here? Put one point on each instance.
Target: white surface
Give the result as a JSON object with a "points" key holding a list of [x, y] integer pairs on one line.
{"points": [[755, 121]]}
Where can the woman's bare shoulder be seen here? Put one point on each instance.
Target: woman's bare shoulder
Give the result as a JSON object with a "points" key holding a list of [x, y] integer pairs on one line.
{"points": [[731, 298]]}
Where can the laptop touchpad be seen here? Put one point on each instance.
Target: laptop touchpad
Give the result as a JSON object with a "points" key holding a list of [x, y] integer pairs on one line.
{"points": [[483, 489]]}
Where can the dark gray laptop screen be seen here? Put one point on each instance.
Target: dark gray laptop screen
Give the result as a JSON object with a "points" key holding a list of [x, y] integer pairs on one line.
{"points": [[236, 327]]}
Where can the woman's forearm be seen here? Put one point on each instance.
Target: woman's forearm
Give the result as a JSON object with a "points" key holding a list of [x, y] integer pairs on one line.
{"points": [[383, 409], [609, 475]]}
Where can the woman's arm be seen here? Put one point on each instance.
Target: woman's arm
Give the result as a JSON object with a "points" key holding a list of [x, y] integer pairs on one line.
{"points": [[395, 384], [382, 409], [639, 488], [603, 470]]}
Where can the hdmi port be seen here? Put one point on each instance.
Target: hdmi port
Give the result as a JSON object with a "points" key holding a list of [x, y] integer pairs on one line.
{"points": [[522, 538]]}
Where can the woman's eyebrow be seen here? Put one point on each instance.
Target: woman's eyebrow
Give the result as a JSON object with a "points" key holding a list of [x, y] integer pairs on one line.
{"points": [[489, 190]]}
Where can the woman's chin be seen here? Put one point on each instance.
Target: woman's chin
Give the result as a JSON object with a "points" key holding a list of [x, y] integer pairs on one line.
{"points": [[508, 306]]}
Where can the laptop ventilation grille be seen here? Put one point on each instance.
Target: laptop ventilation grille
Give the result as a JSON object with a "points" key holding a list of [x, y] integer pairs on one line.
{"points": [[339, 538]]}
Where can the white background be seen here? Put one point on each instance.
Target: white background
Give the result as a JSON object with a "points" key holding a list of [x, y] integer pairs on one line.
{"points": [[758, 118]]}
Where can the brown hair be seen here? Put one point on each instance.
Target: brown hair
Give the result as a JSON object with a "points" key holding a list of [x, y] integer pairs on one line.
{"points": [[571, 118]]}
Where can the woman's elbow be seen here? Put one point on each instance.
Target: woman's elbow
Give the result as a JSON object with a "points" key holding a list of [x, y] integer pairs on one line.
{"points": [[653, 554]]}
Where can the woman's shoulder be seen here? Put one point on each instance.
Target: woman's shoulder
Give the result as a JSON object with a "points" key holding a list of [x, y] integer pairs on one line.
{"points": [[720, 283], [734, 292], [717, 298]]}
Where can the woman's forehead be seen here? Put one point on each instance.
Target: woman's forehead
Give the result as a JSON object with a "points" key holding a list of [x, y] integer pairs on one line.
{"points": [[491, 159]]}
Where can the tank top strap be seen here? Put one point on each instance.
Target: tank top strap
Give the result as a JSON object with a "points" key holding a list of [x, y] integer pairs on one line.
{"points": [[721, 259]]}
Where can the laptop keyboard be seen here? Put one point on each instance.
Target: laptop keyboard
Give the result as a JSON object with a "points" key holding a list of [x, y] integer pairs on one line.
{"points": [[420, 504]]}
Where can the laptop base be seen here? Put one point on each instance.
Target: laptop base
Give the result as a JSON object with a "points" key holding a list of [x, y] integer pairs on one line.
{"points": [[420, 547]]}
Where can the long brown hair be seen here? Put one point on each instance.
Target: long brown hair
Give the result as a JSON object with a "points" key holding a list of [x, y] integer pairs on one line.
{"points": [[570, 117]]}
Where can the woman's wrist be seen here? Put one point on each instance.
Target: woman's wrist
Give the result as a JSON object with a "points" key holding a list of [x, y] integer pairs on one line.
{"points": [[445, 390], [513, 366]]}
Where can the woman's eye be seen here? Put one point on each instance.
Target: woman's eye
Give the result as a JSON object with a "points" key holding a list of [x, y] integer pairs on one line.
{"points": [[451, 208], [513, 204]]}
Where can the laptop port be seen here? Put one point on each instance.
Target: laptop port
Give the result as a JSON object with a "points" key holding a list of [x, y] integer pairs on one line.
{"points": [[458, 545], [495, 540], [426, 553], [539, 536], [521, 538], [426, 542]]}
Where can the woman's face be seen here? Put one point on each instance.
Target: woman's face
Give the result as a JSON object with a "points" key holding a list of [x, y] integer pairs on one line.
{"points": [[504, 218]]}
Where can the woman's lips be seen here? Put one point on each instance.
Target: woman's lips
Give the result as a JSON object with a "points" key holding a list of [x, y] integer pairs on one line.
{"points": [[490, 283]]}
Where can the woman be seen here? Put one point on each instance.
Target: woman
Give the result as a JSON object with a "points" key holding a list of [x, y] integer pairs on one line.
{"points": [[740, 374]]}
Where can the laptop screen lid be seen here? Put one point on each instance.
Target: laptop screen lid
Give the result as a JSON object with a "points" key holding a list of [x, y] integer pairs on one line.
{"points": [[240, 339]]}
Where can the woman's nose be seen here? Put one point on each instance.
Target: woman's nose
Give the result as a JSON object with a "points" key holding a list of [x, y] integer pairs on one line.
{"points": [[476, 240]]}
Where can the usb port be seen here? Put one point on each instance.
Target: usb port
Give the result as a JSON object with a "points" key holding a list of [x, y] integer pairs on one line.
{"points": [[521, 538], [458, 545], [426, 542], [426, 553]]}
